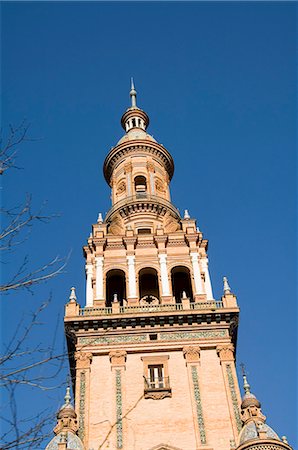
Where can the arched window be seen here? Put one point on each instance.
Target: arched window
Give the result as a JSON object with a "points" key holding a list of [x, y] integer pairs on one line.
{"points": [[140, 185], [115, 286], [148, 286], [181, 282]]}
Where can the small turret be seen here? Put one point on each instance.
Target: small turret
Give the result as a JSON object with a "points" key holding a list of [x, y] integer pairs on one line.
{"points": [[255, 432], [66, 428]]}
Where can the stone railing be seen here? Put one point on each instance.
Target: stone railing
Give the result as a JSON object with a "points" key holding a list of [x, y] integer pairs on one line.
{"points": [[139, 199], [147, 308]]}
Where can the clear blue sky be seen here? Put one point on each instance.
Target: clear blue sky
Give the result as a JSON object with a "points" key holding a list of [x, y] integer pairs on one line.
{"points": [[218, 81]]}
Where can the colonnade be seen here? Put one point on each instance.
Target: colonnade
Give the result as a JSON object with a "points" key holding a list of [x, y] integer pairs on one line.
{"points": [[200, 271]]}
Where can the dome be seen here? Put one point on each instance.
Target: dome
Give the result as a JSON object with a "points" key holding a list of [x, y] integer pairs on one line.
{"points": [[136, 134], [250, 431], [67, 410], [250, 399], [73, 442]]}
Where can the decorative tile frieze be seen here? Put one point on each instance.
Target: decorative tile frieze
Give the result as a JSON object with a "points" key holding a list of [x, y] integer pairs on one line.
{"points": [[191, 353], [117, 357], [112, 339], [234, 397], [177, 336], [119, 425], [199, 410], [81, 431]]}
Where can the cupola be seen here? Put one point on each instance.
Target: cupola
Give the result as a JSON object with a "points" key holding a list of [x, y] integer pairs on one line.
{"points": [[134, 117]]}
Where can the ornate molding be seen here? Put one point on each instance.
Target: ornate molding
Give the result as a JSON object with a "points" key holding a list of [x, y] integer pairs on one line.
{"points": [[186, 336], [158, 395], [104, 340], [123, 150], [119, 424], [234, 397], [191, 353], [198, 402], [117, 357], [225, 352], [81, 431], [83, 360]]}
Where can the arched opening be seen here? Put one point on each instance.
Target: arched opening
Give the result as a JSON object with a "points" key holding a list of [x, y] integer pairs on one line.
{"points": [[181, 282], [140, 185], [148, 286], [115, 286]]}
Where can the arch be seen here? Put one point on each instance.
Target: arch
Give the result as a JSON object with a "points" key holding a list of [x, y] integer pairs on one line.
{"points": [[140, 183], [148, 285], [181, 282], [115, 284]]}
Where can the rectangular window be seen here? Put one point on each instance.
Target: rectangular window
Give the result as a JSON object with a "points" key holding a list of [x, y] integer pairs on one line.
{"points": [[156, 377]]}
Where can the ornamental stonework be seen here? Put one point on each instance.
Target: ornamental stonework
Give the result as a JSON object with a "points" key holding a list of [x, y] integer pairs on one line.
{"points": [[191, 353], [225, 352], [83, 360], [118, 357]]}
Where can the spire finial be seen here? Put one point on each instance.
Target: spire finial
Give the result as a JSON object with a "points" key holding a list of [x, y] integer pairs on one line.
{"points": [[67, 397], [133, 94], [73, 297], [99, 218], [186, 214], [246, 385], [226, 286]]}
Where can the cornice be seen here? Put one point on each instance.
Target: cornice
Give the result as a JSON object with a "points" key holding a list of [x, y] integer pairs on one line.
{"points": [[125, 149]]}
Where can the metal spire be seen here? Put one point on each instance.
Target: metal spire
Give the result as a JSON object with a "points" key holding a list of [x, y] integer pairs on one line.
{"points": [[246, 385], [67, 397], [133, 94]]}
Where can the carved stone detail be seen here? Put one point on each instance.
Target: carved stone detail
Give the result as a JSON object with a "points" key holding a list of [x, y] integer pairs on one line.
{"points": [[158, 395], [117, 357], [225, 352], [150, 166], [191, 353], [121, 187], [83, 360]]}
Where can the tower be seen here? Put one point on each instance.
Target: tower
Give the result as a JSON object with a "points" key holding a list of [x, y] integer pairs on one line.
{"points": [[152, 354]]}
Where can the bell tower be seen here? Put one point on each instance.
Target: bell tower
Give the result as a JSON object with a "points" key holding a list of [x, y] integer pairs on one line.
{"points": [[152, 352]]}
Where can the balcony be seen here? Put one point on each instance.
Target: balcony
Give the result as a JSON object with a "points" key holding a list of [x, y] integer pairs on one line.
{"points": [[157, 388], [142, 202], [209, 305]]}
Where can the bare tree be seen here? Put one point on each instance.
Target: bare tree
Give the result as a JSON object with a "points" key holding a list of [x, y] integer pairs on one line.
{"points": [[34, 368]]}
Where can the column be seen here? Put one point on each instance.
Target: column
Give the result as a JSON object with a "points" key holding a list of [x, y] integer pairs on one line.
{"points": [[192, 359], [132, 288], [89, 290], [99, 277], [208, 287], [197, 273], [227, 361], [165, 288], [150, 172], [83, 366], [128, 170], [118, 360]]}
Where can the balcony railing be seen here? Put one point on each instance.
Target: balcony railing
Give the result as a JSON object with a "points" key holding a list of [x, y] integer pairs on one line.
{"points": [[141, 198], [157, 383], [149, 308]]}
